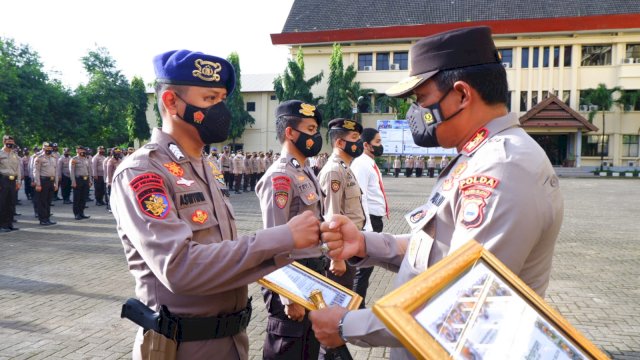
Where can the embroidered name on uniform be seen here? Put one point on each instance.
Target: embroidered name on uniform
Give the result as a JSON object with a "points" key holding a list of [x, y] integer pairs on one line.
{"points": [[478, 180], [305, 186], [191, 198], [437, 199]]}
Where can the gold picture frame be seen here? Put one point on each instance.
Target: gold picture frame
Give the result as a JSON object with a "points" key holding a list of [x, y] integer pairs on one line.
{"points": [[296, 282], [470, 305]]}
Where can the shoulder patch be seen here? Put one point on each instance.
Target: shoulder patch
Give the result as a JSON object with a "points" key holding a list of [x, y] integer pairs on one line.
{"points": [[146, 180], [343, 165], [153, 202], [295, 163], [281, 197], [472, 211], [281, 183], [478, 180], [335, 185]]}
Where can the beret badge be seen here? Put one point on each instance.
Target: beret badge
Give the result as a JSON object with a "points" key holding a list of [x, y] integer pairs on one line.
{"points": [[207, 70], [307, 109]]}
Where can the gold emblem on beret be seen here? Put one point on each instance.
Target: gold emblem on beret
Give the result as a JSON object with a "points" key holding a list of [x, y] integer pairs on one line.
{"points": [[307, 109], [349, 125], [207, 70]]}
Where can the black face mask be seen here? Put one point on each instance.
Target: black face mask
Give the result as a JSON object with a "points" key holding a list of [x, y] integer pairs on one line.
{"points": [[81, 154], [423, 122], [377, 150], [48, 152], [66, 155], [353, 148], [309, 145], [212, 122], [9, 146]]}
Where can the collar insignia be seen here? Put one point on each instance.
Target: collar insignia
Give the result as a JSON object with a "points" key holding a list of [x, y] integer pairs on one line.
{"points": [[176, 151]]}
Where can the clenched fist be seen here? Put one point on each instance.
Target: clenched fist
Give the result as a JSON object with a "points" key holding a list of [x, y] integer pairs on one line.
{"points": [[305, 229]]}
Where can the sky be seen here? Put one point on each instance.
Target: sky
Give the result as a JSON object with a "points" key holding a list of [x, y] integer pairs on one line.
{"points": [[134, 31]]}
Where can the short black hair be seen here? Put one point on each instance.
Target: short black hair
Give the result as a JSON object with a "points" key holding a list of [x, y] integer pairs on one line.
{"points": [[368, 134], [335, 134], [283, 122], [489, 80]]}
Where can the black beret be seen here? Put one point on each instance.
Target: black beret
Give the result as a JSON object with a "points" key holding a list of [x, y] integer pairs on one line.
{"points": [[345, 124], [299, 109], [444, 51]]}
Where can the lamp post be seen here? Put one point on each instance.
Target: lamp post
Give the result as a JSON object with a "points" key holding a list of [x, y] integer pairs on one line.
{"points": [[602, 146]]}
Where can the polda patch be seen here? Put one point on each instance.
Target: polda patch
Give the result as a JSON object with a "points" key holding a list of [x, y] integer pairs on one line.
{"points": [[153, 202], [146, 180], [472, 211], [335, 185], [281, 198]]}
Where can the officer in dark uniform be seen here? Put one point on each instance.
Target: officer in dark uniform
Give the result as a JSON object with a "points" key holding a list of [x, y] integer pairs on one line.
{"points": [[80, 172], [287, 189]]}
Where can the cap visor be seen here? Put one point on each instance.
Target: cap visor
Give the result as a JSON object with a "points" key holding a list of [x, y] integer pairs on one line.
{"points": [[406, 86]]}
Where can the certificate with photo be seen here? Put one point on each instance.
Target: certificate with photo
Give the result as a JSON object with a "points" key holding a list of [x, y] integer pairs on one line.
{"points": [[296, 282], [470, 306]]}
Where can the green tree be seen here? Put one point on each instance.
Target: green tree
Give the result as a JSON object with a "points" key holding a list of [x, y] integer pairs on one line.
{"points": [[107, 96], [137, 126], [292, 84], [603, 98], [399, 106], [240, 118]]}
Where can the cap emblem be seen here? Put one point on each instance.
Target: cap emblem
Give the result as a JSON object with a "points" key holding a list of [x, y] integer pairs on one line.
{"points": [[207, 70], [307, 109]]}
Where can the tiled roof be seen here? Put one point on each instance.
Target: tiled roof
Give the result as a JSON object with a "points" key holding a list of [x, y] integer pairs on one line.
{"points": [[322, 15]]}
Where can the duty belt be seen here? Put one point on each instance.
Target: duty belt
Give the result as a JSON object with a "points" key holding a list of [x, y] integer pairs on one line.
{"points": [[82, 177], [51, 178], [11, 177]]}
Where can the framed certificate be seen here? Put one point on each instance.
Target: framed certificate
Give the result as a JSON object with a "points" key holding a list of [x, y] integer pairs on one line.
{"points": [[471, 306], [296, 282]]}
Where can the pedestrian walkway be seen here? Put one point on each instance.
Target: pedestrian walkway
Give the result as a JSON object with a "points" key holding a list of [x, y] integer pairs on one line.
{"points": [[62, 286]]}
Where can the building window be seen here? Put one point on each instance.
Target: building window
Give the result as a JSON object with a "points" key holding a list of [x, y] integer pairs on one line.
{"points": [[545, 56], [402, 59], [597, 55], [382, 61], [525, 57], [592, 145], [631, 100], [251, 106], [633, 52], [523, 101], [509, 101], [534, 98], [630, 145], [567, 56], [365, 60], [273, 97], [507, 57], [566, 97]]}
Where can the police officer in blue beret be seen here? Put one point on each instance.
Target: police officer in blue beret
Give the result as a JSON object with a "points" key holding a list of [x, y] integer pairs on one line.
{"points": [[177, 226]]}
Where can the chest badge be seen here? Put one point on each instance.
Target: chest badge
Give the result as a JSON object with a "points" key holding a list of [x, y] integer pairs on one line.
{"points": [[184, 182], [174, 169], [199, 216]]}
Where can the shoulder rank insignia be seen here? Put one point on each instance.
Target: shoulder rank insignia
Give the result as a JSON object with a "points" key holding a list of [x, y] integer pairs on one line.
{"points": [[343, 164], [295, 163], [176, 151], [335, 185], [174, 169], [199, 216], [478, 138]]}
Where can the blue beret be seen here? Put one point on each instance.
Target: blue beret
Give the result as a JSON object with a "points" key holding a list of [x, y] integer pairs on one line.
{"points": [[299, 109], [184, 67]]}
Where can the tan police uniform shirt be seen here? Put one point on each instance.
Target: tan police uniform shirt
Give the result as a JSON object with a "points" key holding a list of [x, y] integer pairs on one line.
{"points": [[247, 164], [10, 165], [110, 169], [502, 191], [45, 166], [79, 166], [396, 164], [181, 242], [96, 165], [225, 162], [238, 165], [63, 166], [343, 192]]}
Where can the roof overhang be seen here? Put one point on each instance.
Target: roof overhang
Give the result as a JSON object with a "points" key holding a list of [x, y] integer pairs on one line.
{"points": [[618, 22], [553, 115]]}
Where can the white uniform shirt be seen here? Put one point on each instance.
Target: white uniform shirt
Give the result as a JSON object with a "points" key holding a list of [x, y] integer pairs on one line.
{"points": [[367, 175]]}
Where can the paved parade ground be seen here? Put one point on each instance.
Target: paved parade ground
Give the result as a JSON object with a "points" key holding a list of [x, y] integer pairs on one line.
{"points": [[62, 286]]}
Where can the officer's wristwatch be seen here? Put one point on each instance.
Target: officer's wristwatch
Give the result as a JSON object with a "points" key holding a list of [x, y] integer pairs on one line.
{"points": [[340, 328]]}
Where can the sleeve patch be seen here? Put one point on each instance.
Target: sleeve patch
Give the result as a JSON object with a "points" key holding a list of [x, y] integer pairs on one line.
{"points": [[154, 202], [335, 185], [281, 183], [282, 197], [472, 211], [146, 180], [478, 180]]}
